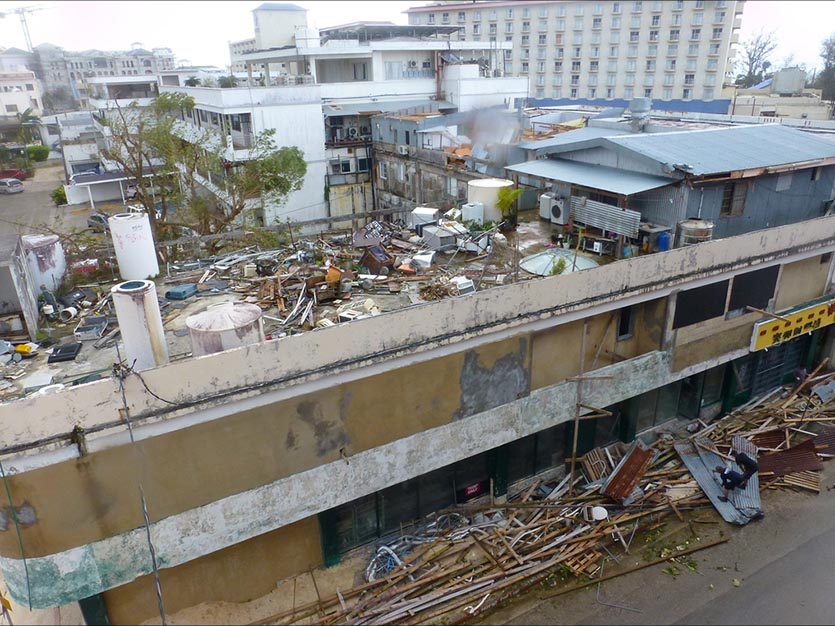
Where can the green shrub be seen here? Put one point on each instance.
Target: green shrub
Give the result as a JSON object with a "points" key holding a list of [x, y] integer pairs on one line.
{"points": [[59, 196], [38, 153]]}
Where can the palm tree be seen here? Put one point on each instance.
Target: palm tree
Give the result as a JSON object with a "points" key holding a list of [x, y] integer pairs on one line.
{"points": [[29, 126]]}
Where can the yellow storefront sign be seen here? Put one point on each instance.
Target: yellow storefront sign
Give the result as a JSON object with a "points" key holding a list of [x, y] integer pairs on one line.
{"points": [[772, 332]]}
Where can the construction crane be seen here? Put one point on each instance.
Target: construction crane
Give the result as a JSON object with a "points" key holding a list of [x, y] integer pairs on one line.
{"points": [[22, 11]]}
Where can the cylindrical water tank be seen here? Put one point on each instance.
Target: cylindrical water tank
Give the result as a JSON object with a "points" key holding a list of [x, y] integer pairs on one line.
{"points": [[140, 324], [486, 191], [692, 231], [225, 326], [46, 260], [134, 245]]}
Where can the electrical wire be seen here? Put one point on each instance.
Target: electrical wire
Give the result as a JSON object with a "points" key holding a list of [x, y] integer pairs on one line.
{"points": [[19, 536], [119, 371]]}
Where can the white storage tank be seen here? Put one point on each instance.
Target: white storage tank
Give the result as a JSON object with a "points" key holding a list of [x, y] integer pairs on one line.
{"points": [[140, 324], [133, 241], [225, 326], [486, 191], [46, 260]]}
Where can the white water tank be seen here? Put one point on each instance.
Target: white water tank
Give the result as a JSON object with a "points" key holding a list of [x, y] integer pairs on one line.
{"points": [[225, 326], [46, 260], [140, 324], [133, 241], [692, 231], [486, 191]]}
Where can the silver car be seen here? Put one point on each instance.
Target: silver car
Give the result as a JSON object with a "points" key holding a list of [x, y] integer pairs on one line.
{"points": [[10, 185]]}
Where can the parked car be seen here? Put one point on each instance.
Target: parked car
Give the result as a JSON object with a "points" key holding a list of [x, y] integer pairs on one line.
{"points": [[10, 185], [98, 222], [13, 173]]}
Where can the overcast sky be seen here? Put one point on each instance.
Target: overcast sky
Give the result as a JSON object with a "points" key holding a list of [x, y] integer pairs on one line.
{"points": [[200, 31]]}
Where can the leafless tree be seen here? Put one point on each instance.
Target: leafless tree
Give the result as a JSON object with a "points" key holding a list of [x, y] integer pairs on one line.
{"points": [[754, 61]]}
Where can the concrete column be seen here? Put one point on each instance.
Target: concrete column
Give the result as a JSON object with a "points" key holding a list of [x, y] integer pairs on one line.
{"points": [[90, 194], [249, 74]]}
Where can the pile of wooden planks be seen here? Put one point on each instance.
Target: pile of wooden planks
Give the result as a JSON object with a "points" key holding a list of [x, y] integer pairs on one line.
{"points": [[476, 557]]}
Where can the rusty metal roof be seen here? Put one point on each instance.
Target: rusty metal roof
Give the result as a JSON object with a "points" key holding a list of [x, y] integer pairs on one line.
{"points": [[825, 442], [799, 458], [628, 472], [770, 438]]}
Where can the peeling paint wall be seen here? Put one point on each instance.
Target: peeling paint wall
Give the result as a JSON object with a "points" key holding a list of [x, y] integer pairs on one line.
{"points": [[240, 573]]}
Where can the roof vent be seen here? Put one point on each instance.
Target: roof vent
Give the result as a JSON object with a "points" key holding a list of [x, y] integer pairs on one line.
{"points": [[639, 108]]}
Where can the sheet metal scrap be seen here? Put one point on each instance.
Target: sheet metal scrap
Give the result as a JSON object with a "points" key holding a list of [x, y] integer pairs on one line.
{"points": [[628, 473], [709, 481], [799, 458]]}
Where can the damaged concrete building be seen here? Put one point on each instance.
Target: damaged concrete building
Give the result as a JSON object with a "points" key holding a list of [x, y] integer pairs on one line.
{"points": [[268, 459]]}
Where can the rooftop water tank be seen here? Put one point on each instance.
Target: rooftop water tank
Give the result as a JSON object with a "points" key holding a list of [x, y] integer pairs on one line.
{"points": [[133, 242], [140, 324], [486, 191], [692, 231], [225, 326], [46, 260]]}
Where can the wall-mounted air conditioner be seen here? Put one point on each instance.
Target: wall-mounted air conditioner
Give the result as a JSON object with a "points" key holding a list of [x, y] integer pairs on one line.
{"points": [[403, 150]]}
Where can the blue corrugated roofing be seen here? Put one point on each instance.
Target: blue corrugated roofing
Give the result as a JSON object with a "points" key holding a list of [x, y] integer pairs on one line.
{"points": [[763, 84], [571, 137], [714, 151], [621, 182], [279, 6]]}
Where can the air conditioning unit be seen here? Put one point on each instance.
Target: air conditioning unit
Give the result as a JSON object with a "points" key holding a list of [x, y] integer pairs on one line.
{"points": [[559, 212], [545, 201], [353, 133], [403, 150], [473, 212]]}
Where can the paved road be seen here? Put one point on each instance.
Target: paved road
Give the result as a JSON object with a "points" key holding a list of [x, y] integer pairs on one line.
{"points": [[26, 213], [783, 564]]}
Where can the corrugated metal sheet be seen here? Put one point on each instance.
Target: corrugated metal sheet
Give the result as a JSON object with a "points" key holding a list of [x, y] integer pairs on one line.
{"points": [[770, 438], [747, 501], [825, 441], [606, 216], [571, 137], [609, 179], [709, 482], [799, 458], [713, 151], [628, 472], [667, 205]]}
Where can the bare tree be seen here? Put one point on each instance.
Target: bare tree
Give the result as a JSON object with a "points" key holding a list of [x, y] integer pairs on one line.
{"points": [[754, 60], [826, 78]]}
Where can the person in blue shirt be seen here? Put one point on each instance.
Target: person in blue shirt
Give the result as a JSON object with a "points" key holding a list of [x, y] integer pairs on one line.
{"points": [[730, 480]]}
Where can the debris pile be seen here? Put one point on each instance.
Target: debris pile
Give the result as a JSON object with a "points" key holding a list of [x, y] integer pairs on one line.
{"points": [[465, 561]]}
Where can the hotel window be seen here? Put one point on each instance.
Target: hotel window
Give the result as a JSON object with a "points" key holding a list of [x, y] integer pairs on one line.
{"points": [[556, 93], [634, 35], [509, 14], [693, 50], [614, 37], [558, 38], [612, 66], [675, 19], [540, 66], [560, 25], [595, 52], [635, 22], [573, 92], [526, 27], [598, 9], [578, 52], [716, 34], [667, 94], [671, 64], [674, 34], [632, 51], [697, 19], [610, 93], [637, 6], [462, 16], [526, 12], [541, 53], [524, 67], [575, 79], [476, 29], [650, 65], [575, 66], [689, 79], [631, 66], [653, 35], [656, 20], [695, 34], [579, 9], [613, 51], [714, 48], [543, 12], [594, 66], [612, 79], [431, 18], [628, 93], [652, 51], [616, 8], [560, 10], [592, 93], [578, 23], [648, 92], [597, 22], [444, 18], [672, 50], [558, 66], [708, 93], [669, 80], [508, 27], [615, 21], [577, 39]]}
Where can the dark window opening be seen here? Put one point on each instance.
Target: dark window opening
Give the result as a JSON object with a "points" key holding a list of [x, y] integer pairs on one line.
{"points": [[733, 199], [625, 323], [700, 304], [753, 289]]}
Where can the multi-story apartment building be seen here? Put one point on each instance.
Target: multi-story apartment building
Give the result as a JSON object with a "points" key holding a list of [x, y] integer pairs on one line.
{"points": [[601, 51], [20, 91], [319, 90], [237, 49], [62, 70]]}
